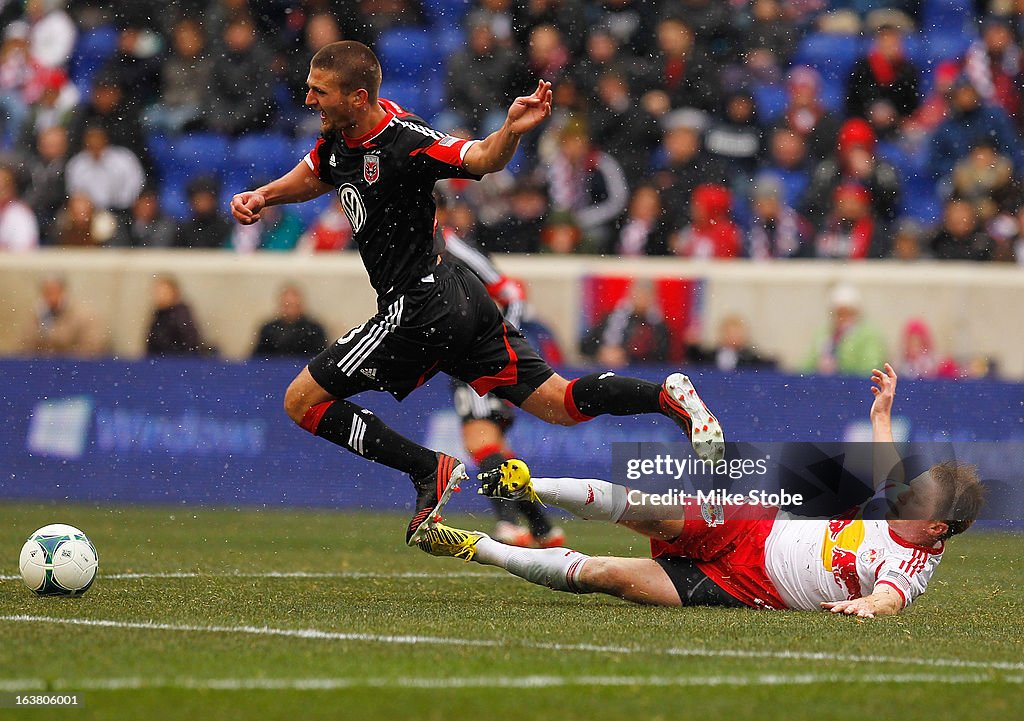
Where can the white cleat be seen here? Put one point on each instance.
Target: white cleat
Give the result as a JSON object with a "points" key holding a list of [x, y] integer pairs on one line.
{"points": [[680, 402]]}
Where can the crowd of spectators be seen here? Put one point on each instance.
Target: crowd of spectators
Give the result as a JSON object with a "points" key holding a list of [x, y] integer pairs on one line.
{"points": [[695, 128]]}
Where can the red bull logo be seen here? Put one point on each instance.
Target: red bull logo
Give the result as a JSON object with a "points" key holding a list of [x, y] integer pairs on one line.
{"points": [[844, 570]]}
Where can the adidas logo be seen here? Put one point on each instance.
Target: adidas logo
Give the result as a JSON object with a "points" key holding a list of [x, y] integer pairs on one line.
{"points": [[369, 372], [333, 161]]}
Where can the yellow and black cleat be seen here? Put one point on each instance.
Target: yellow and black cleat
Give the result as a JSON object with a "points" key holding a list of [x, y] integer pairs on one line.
{"points": [[511, 481], [444, 540]]}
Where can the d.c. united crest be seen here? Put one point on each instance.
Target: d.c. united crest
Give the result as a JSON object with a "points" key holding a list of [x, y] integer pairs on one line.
{"points": [[371, 168]]}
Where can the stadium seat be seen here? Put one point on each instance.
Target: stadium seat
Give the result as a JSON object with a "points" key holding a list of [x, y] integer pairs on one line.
{"points": [[258, 157], [947, 16], [941, 46], [831, 55], [446, 13], [91, 51], [407, 93], [920, 201], [409, 53], [197, 154]]}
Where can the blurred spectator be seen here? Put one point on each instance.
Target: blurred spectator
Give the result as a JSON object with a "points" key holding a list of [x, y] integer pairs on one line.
{"points": [[732, 350], [805, 114], [292, 332], [787, 162], [934, 108], [135, 66], [240, 96], [46, 192], [17, 71], [520, 231], [618, 123], [712, 233], [61, 327], [736, 140], [80, 224], [995, 66], [52, 33], [906, 242], [681, 70], [985, 179], [172, 330], [777, 231], [53, 106], [634, 332], [498, 16], [382, 15], [149, 226], [960, 237], [546, 56], [687, 165], [564, 16], [850, 231], [643, 231], [601, 54], [478, 80], [560, 234], [107, 107], [588, 183], [847, 345], [919, 358], [184, 81], [856, 163], [19, 230], [883, 75], [111, 176], [207, 227], [713, 27], [972, 120], [770, 30], [629, 22], [330, 231]]}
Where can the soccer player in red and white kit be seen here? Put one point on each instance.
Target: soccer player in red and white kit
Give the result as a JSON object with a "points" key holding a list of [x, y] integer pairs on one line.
{"points": [[383, 162], [745, 554]]}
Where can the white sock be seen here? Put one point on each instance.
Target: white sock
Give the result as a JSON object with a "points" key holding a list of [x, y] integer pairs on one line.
{"points": [[557, 568], [586, 498]]}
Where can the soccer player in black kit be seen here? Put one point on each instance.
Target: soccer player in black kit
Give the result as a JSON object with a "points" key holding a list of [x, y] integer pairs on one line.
{"points": [[383, 162]]}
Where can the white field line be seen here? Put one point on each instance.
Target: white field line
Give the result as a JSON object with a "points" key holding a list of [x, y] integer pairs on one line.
{"points": [[524, 682], [322, 635], [290, 574]]}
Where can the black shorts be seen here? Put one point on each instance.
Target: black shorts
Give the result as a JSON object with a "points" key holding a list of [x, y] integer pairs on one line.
{"points": [[695, 588], [472, 407], [448, 323]]}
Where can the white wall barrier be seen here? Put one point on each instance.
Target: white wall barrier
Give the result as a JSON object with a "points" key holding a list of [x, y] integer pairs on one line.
{"points": [[973, 309]]}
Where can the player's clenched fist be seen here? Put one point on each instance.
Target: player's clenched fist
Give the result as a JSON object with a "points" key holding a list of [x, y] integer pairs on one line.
{"points": [[247, 206]]}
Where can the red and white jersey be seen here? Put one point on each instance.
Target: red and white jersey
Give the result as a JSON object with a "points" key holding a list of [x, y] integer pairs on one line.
{"points": [[811, 561]]}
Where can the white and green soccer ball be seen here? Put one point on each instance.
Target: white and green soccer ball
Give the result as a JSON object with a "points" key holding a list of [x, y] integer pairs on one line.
{"points": [[58, 560]]}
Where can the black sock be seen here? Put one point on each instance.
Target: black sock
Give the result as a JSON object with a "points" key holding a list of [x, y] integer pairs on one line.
{"points": [[503, 509], [362, 432], [535, 516], [601, 394]]}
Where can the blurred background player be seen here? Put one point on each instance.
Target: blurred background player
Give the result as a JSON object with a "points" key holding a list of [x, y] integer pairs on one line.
{"points": [[486, 419]]}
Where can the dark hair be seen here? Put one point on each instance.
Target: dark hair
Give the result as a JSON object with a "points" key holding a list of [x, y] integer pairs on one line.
{"points": [[963, 495], [354, 66]]}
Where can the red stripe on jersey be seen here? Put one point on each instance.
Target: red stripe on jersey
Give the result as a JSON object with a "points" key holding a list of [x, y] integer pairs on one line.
{"points": [[447, 150], [314, 156], [908, 544], [377, 130], [507, 376], [394, 108]]}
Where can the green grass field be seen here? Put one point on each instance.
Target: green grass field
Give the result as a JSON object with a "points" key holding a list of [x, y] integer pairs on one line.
{"points": [[192, 617]]}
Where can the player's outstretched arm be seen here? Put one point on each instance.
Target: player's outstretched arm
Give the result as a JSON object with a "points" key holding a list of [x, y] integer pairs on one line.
{"points": [[296, 186], [885, 601], [886, 458], [496, 150]]}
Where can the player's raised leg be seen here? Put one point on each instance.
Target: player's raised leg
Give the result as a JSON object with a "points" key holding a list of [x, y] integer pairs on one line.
{"points": [[640, 580], [434, 475], [570, 402]]}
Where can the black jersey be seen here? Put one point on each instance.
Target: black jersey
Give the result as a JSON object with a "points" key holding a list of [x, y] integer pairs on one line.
{"points": [[385, 181]]}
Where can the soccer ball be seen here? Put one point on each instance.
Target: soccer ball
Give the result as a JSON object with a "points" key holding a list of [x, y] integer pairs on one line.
{"points": [[58, 560]]}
